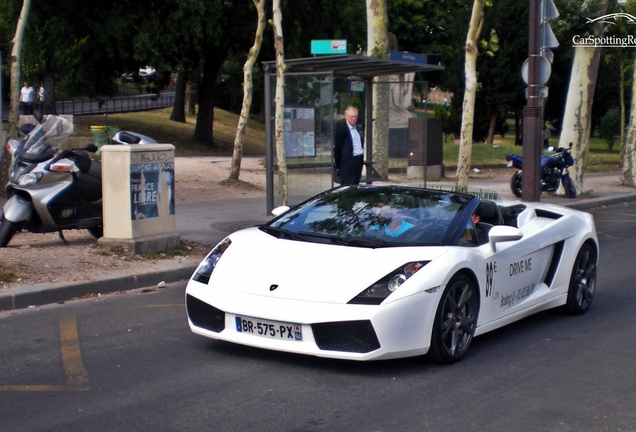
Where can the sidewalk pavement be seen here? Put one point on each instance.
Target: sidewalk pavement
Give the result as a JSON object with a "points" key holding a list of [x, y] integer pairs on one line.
{"points": [[229, 215]]}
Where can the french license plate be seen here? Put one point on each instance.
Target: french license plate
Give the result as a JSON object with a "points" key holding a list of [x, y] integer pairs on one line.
{"points": [[269, 329], [509, 164]]}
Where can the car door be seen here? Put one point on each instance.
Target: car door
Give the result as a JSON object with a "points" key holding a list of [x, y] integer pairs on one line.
{"points": [[513, 274]]}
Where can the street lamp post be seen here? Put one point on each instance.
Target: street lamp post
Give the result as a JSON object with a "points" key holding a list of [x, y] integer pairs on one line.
{"points": [[532, 112]]}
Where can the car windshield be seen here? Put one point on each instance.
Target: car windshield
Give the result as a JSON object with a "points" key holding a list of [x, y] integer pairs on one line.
{"points": [[48, 134], [375, 216]]}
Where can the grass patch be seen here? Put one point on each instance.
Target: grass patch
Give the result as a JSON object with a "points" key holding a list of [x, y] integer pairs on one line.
{"points": [[599, 159], [9, 275], [156, 124]]}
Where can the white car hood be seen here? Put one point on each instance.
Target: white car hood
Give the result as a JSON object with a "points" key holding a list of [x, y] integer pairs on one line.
{"points": [[256, 262]]}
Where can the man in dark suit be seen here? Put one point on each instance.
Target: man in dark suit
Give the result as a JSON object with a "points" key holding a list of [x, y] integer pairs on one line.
{"points": [[348, 149]]}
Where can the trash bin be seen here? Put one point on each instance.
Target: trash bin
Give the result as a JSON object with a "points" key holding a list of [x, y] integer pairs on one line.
{"points": [[100, 136], [425, 140], [103, 134]]}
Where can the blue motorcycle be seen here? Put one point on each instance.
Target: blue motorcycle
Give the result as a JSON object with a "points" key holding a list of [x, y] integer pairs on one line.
{"points": [[554, 170]]}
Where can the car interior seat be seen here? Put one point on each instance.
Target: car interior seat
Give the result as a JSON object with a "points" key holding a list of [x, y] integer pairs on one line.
{"points": [[490, 213]]}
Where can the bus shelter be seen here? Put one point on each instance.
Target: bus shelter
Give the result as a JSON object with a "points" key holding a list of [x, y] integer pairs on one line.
{"points": [[317, 91]]}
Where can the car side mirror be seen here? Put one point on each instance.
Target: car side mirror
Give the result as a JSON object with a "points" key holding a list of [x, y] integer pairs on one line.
{"points": [[280, 210], [503, 233]]}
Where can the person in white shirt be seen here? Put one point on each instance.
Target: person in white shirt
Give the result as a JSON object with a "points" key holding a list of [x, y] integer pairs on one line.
{"points": [[27, 98]]}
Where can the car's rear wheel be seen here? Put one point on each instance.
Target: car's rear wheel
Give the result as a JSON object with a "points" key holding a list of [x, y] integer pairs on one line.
{"points": [[515, 184], [582, 281], [455, 320]]}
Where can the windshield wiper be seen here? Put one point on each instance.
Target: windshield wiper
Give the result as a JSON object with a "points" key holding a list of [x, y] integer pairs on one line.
{"points": [[348, 240], [366, 241], [282, 233]]}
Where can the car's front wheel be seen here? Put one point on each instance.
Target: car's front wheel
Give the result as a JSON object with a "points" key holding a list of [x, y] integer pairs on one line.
{"points": [[582, 281], [7, 231], [455, 320]]}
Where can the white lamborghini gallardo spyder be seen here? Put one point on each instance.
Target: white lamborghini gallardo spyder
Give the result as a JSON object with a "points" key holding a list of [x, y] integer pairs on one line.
{"points": [[378, 272]]}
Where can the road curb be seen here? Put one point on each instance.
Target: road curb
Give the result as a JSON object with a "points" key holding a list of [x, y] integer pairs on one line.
{"points": [[47, 293], [591, 203]]}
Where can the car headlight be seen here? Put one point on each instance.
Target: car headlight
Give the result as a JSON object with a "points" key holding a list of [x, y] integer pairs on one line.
{"points": [[376, 293], [206, 267], [30, 179]]}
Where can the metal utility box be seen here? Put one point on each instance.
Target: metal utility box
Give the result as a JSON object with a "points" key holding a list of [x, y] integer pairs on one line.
{"points": [[426, 138]]}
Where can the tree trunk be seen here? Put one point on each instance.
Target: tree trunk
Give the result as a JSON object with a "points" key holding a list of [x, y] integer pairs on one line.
{"points": [[193, 91], [491, 129], [628, 177], [16, 59], [279, 102], [378, 46], [49, 106], [577, 118], [203, 130], [5, 157], [178, 108], [468, 107], [578, 110], [621, 97], [517, 127], [235, 169]]}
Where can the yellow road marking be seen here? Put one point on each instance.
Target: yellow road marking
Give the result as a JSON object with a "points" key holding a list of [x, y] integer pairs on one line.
{"points": [[71, 356], [76, 376]]}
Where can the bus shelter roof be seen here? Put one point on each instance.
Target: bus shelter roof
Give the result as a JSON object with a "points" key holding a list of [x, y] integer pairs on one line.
{"points": [[355, 65]]}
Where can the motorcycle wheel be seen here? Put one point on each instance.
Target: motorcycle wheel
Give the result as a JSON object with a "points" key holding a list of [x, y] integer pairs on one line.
{"points": [[515, 184], [570, 190], [7, 231], [96, 231]]}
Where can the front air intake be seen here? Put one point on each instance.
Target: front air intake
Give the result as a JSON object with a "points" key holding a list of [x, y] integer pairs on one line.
{"points": [[205, 316], [347, 336]]}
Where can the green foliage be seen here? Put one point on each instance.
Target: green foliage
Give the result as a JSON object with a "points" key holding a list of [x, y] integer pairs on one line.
{"points": [[491, 46], [610, 127], [379, 51], [441, 112]]}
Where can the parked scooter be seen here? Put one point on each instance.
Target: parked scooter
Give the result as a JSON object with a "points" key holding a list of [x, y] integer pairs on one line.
{"points": [[51, 190], [554, 171], [128, 137]]}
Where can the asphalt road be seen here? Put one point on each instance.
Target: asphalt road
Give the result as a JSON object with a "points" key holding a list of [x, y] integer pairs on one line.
{"points": [[129, 363], [199, 222]]}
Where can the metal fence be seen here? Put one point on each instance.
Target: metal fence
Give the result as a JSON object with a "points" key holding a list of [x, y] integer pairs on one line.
{"points": [[119, 104]]}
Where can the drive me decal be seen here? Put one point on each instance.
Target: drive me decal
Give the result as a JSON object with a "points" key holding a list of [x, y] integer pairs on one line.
{"points": [[516, 281]]}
